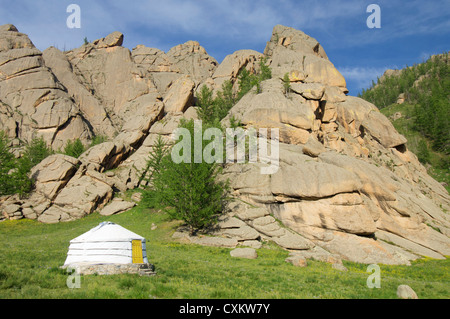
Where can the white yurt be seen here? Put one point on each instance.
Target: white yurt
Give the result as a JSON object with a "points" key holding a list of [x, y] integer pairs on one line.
{"points": [[107, 243]]}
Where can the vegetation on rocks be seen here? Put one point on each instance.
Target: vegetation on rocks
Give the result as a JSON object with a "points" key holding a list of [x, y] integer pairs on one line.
{"points": [[212, 110], [14, 172], [7, 165], [74, 148], [248, 80], [36, 151]]}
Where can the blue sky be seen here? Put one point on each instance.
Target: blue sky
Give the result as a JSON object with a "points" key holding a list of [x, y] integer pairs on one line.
{"points": [[410, 31]]}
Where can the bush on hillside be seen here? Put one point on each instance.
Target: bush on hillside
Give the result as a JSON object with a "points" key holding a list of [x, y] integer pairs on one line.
{"points": [[13, 171], [249, 80], [74, 148], [36, 151], [212, 110]]}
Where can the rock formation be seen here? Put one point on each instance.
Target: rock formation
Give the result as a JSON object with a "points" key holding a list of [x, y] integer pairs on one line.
{"points": [[346, 188], [32, 100]]}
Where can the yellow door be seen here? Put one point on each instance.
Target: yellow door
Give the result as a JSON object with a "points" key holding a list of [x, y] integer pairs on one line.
{"points": [[136, 248]]}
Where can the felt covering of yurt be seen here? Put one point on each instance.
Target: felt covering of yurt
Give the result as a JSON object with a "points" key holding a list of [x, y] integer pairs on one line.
{"points": [[107, 243]]}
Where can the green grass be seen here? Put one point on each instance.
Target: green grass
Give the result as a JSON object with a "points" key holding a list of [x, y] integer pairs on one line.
{"points": [[31, 254]]}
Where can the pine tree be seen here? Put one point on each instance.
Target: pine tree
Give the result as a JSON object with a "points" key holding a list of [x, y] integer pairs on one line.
{"points": [[213, 110], [190, 191], [249, 80], [7, 165], [206, 105], [153, 168], [224, 101], [265, 71], [286, 84], [246, 82], [14, 172], [74, 148], [36, 151], [22, 182]]}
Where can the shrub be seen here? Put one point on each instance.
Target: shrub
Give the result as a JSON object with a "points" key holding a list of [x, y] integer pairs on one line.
{"points": [[159, 150], [98, 139], [74, 148], [7, 164], [13, 172], [206, 111], [36, 151], [248, 80], [286, 84], [212, 110], [235, 123]]}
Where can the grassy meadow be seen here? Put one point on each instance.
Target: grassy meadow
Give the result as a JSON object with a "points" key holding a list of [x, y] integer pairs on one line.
{"points": [[31, 254]]}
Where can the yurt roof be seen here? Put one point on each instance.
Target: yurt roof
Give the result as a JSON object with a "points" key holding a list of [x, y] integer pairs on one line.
{"points": [[107, 231]]}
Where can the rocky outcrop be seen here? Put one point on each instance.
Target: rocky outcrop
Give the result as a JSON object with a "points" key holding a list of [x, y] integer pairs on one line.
{"points": [[347, 187], [230, 67], [302, 57], [81, 196], [344, 170], [192, 59], [117, 206], [342, 186], [180, 95], [36, 103], [53, 173], [89, 105]]}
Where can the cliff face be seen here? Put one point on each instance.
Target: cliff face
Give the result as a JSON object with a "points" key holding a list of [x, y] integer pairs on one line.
{"points": [[346, 186]]}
